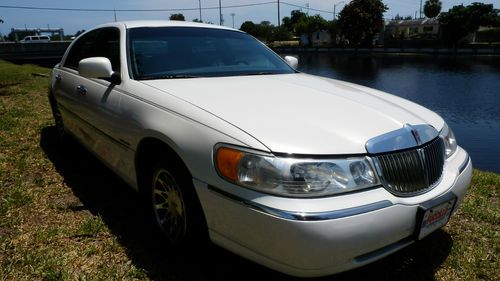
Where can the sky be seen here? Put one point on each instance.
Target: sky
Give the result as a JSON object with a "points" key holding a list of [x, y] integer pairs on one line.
{"points": [[73, 21]]}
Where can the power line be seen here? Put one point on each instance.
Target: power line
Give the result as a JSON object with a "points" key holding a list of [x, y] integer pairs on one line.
{"points": [[304, 7], [133, 10], [158, 10]]}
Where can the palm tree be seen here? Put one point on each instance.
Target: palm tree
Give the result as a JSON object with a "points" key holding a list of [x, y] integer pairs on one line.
{"points": [[432, 8]]}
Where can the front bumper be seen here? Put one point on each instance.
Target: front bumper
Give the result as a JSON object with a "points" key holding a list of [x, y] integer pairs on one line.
{"points": [[316, 237]]}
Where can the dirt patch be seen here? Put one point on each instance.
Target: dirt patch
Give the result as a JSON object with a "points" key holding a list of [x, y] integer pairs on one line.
{"points": [[6, 231], [68, 202]]}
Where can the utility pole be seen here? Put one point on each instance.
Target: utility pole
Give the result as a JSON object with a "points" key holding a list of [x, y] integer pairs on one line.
{"points": [[279, 17], [307, 6], [220, 12], [114, 9], [199, 5], [420, 8], [232, 15]]}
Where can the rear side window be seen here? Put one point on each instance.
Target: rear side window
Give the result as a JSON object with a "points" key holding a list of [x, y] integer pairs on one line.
{"points": [[103, 42]]}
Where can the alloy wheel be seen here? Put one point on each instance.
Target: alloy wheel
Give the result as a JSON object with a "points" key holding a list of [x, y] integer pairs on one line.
{"points": [[168, 206]]}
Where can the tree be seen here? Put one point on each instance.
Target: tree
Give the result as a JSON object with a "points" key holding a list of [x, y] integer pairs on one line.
{"points": [[263, 31], [309, 24], [286, 23], [281, 34], [297, 16], [248, 27], [179, 17], [462, 20], [432, 8], [290, 23], [332, 26], [360, 20]]}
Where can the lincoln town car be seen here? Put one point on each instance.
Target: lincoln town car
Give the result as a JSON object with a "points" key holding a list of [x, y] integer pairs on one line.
{"points": [[229, 142]]}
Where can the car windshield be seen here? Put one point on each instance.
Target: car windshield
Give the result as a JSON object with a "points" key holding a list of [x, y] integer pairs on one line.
{"points": [[188, 52]]}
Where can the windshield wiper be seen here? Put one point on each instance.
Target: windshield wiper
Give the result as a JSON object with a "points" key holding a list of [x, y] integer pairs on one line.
{"points": [[259, 73], [174, 76]]}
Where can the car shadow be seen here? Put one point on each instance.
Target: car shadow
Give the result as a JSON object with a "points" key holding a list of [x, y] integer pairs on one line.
{"points": [[102, 193]]}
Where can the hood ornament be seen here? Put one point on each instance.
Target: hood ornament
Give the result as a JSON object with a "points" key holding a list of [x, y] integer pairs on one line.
{"points": [[407, 137], [414, 132]]}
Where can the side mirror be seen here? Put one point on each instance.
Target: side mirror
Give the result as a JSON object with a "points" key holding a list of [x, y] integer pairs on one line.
{"points": [[292, 61], [98, 67]]}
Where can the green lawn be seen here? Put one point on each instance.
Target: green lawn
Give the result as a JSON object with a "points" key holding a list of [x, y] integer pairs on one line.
{"points": [[64, 216]]}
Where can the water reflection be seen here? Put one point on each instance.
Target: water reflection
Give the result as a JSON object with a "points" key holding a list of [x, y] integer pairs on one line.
{"points": [[463, 90]]}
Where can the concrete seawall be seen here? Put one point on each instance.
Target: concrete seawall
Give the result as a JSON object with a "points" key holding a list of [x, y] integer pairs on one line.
{"points": [[52, 52], [429, 51]]}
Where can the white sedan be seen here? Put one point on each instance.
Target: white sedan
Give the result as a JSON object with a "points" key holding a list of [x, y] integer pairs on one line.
{"points": [[306, 175]]}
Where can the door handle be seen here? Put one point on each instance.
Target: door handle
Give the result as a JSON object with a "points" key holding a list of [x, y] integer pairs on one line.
{"points": [[81, 90]]}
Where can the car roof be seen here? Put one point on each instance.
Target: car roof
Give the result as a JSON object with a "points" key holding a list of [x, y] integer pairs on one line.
{"points": [[162, 23]]}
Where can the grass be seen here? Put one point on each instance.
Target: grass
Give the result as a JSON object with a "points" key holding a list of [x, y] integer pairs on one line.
{"points": [[64, 216]]}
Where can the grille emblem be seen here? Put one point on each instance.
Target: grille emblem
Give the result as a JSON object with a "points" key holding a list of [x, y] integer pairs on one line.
{"points": [[409, 136], [414, 132]]}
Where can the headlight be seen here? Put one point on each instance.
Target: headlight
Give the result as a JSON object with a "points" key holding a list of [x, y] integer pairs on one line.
{"points": [[450, 142], [294, 176]]}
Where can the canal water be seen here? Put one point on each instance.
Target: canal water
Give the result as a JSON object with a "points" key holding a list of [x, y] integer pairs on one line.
{"points": [[464, 90]]}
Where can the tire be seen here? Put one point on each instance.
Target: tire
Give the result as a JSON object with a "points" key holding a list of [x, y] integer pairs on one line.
{"points": [[174, 205], [61, 133]]}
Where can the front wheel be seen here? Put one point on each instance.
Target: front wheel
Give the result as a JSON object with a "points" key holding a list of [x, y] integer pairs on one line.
{"points": [[175, 208]]}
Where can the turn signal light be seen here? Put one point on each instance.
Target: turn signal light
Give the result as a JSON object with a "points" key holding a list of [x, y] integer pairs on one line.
{"points": [[227, 162]]}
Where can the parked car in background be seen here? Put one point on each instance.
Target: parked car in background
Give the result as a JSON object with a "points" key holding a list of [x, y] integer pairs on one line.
{"points": [[36, 39], [306, 175]]}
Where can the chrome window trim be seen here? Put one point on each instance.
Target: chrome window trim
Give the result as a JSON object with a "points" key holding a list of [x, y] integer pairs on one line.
{"points": [[304, 216]]}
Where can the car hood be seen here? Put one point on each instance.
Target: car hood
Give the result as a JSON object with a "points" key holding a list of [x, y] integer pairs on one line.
{"points": [[300, 113]]}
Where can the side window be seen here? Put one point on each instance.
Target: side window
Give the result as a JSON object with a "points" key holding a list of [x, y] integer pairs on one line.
{"points": [[108, 45], [81, 49], [103, 42]]}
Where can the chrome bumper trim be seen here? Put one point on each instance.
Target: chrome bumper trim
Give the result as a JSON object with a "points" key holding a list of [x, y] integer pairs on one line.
{"points": [[304, 216], [464, 165]]}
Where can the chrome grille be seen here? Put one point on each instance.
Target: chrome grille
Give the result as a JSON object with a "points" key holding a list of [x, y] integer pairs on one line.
{"points": [[412, 171]]}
